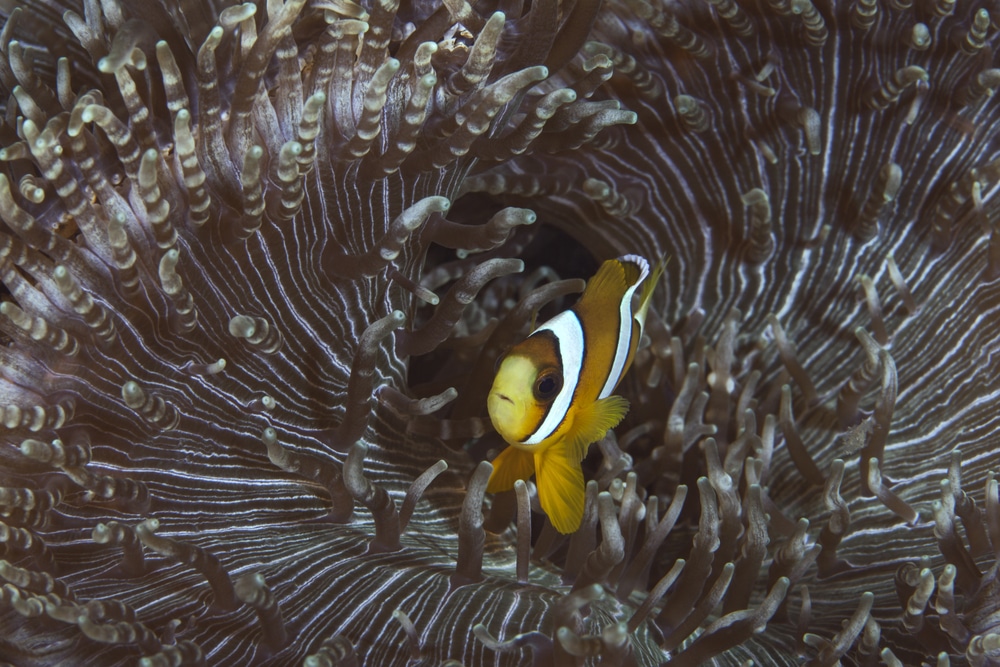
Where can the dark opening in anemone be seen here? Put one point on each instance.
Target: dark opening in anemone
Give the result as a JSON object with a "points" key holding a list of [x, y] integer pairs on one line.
{"points": [[549, 255], [259, 261]]}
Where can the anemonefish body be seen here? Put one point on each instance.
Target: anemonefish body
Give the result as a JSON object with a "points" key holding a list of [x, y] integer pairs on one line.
{"points": [[551, 397]]}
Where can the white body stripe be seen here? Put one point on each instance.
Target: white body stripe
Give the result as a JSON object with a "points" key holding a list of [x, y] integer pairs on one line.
{"points": [[624, 342], [569, 332]]}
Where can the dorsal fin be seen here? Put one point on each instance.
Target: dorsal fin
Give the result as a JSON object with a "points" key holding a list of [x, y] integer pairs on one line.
{"points": [[635, 263], [613, 279], [606, 286]]}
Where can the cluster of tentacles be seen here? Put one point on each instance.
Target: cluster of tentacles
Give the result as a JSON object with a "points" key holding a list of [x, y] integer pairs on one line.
{"points": [[260, 260], [214, 224]]}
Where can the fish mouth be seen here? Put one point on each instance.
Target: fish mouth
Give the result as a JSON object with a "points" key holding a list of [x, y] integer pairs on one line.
{"points": [[506, 415]]}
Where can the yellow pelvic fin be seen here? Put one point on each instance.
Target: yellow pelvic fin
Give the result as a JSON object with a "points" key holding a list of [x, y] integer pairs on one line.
{"points": [[560, 486], [509, 466], [591, 424]]}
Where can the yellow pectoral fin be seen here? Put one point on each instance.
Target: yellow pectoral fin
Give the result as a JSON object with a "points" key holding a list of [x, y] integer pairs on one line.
{"points": [[591, 424], [560, 487], [509, 466]]}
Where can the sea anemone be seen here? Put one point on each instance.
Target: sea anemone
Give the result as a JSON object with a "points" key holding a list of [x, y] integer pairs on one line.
{"points": [[260, 261]]}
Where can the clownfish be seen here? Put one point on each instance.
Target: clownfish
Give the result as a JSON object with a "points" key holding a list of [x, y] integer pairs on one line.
{"points": [[551, 396]]}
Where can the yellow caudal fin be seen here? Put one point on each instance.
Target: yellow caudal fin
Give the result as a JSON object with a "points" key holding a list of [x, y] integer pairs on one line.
{"points": [[591, 424], [560, 486], [639, 318], [509, 466], [647, 291]]}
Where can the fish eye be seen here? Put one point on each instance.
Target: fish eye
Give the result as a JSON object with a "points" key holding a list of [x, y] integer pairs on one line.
{"points": [[547, 386]]}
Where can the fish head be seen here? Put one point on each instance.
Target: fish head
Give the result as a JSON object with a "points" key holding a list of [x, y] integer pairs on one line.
{"points": [[526, 384]]}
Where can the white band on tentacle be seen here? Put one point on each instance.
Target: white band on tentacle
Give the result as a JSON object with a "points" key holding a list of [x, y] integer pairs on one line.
{"points": [[569, 333]]}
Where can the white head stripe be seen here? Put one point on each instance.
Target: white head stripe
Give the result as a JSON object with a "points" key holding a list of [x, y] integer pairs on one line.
{"points": [[624, 342], [569, 333]]}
